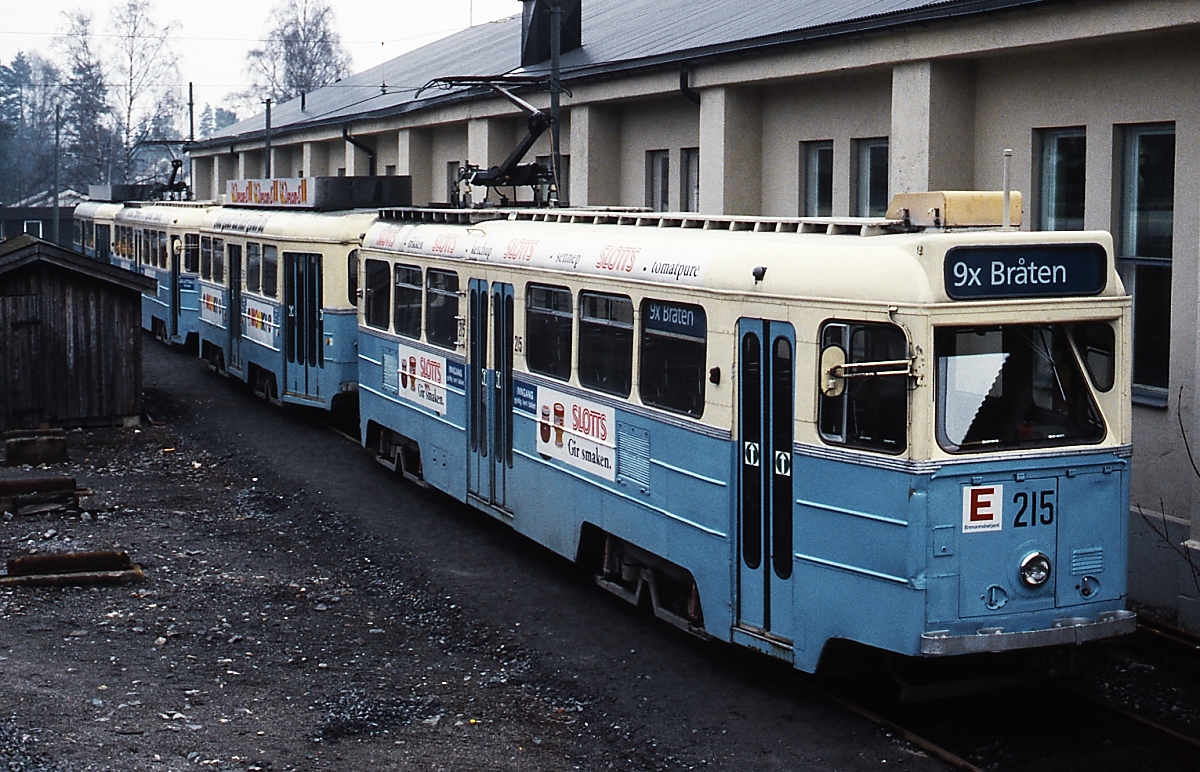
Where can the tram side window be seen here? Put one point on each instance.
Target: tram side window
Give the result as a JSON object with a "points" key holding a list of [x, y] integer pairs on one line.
{"points": [[352, 277], [191, 252], [160, 248], [406, 307], [270, 271], [548, 325], [1097, 344], [441, 307], [103, 239], [206, 257], [606, 342], [218, 261], [674, 340], [870, 410], [375, 313], [253, 266]]}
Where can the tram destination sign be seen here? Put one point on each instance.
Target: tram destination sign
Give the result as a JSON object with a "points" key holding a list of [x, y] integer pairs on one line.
{"points": [[1025, 271]]}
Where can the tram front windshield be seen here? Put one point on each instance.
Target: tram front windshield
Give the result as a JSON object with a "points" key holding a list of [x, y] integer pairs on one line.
{"points": [[1009, 387]]}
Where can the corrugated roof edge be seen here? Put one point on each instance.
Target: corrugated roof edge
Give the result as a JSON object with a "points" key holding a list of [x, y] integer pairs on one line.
{"points": [[938, 11]]}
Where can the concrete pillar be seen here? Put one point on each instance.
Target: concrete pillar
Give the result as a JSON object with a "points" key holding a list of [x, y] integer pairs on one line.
{"points": [[730, 151], [595, 133], [932, 141], [489, 142], [414, 157]]}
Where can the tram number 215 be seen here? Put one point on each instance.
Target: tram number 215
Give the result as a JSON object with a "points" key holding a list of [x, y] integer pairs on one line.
{"points": [[1034, 508]]}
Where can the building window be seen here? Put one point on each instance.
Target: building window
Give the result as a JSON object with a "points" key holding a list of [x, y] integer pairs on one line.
{"points": [[1146, 235], [33, 227], [871, 187], [1064, 153], [689, 179], [389, 170], [658, 180], [818, 179]]}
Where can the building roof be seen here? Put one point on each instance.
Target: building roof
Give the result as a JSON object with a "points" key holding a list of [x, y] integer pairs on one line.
{"points": [[24, 250], [618, 36]]}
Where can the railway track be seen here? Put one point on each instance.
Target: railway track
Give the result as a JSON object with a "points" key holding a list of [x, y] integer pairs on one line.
{"points": [[1043, 720]]}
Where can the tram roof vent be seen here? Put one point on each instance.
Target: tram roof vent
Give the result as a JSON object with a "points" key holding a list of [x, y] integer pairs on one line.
{"points": [[955, 208]]}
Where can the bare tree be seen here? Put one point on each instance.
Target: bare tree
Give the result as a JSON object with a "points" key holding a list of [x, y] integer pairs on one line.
{"points": [[147, 103], [302, 52]]}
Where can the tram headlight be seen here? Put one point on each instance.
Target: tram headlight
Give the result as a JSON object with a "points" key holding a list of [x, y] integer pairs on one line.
{"points": [[1035, 569]]}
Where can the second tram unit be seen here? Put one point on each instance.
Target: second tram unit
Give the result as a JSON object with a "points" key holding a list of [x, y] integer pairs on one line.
{"points": [[775, 432], [277, 305]]}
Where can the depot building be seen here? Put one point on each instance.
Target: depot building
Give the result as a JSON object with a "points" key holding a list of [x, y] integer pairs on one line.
{"points": [[827, 107]]}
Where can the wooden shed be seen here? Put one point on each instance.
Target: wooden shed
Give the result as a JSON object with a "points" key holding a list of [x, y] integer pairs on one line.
{"points": [[70, 338]]}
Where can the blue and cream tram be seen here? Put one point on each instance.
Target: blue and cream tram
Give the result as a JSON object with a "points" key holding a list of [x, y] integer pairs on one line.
{"points": [[277, 302], [160, 239], [777, 432], [94, 228]]}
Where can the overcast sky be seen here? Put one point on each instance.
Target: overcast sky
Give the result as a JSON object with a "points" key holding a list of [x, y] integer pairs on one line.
{"points": [[213, 36]]}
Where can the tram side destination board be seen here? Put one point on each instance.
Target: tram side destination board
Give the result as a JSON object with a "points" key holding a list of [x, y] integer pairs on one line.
{"points": [[1025, 271]]}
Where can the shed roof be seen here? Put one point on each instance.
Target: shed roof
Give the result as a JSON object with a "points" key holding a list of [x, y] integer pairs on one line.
{"points": [[24, 250], [618, 35]]}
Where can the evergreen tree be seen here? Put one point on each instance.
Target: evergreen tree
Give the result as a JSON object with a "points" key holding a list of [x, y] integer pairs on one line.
{"points": [[28, 94], [88, 140]]}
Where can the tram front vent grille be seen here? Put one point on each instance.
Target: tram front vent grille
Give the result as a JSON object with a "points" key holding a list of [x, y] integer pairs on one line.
{"points": [[1087, 561]]}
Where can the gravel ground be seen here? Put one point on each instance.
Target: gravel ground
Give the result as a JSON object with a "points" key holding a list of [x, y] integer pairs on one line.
{"points": [[303, 609]]}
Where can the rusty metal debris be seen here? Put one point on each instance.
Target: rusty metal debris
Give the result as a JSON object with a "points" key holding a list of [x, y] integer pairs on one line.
{"points": [[72, 568], [37, 493]]}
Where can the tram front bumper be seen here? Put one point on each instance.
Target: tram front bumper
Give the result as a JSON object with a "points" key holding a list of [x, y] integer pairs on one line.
{"points": [[1068, 630]]}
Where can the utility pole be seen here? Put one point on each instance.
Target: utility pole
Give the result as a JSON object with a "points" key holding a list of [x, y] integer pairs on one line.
{"points": [[191, 114], [267, 149], [555, 52], [57, 132]]}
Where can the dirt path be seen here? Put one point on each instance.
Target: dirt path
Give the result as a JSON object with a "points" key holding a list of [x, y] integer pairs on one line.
{"points": [[305, 609]]}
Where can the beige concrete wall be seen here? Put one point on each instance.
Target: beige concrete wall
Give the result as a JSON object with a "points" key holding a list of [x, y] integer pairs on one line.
{"points": [[839, 109], [447, 143], [1104, 88], [670, 123]]}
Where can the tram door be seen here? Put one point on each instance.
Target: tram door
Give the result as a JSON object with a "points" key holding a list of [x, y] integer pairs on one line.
{"points": [[234, 321], [765, 419], [490, 413], [303, 325], [176, 250]]}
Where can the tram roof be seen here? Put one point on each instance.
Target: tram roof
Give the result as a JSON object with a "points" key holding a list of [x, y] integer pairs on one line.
{"points": [[289, 225], [618, 36], [852, 259]]}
